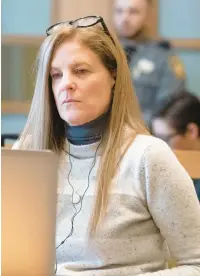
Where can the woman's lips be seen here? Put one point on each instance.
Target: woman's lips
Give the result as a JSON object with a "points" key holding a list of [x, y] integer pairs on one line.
{"points": [[70, 101]]}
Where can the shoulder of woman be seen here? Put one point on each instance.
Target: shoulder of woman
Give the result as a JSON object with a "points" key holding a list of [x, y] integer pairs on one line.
{"points": [[158, 158], [151, 149]]}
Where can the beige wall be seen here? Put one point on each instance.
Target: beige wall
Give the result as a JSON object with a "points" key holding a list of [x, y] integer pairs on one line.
{"points": [[71, 9]]}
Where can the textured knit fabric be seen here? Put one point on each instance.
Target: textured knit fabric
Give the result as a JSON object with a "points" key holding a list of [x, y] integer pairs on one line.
{"points": [[152, 199]]}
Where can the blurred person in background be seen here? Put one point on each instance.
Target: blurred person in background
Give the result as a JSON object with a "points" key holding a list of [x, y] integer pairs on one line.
{"points": [[178, 124], [157, 73]]}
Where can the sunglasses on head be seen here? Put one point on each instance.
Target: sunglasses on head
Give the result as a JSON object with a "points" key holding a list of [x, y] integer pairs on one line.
{"points": [[83, 22]]}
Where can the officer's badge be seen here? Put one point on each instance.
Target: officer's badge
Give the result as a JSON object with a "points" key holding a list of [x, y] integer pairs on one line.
{"points": [[177, 66], [144, 66]]}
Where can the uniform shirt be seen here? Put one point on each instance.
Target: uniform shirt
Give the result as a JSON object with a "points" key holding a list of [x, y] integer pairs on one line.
{"points": [[197, 187], [156, 72]]}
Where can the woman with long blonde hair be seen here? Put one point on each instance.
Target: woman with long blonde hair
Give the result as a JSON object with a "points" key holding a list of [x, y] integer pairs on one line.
{"points": [[121, 192]]}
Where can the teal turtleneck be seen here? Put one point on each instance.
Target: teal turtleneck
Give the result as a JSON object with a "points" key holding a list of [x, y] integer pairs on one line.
{"points": [[87, 133]]}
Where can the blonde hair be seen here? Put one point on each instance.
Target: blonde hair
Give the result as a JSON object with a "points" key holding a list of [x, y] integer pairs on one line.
{"points": [[47, 129]]}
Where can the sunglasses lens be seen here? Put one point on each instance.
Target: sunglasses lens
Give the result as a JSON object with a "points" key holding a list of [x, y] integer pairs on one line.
{"points": [[87, 21], [57, 27]]}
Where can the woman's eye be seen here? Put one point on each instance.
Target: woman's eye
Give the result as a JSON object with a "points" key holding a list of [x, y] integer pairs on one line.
{"points": [[81, 71], [56, 75]]}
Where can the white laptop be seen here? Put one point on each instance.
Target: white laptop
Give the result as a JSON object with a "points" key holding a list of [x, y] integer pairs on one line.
{"points": [[29, 183]]}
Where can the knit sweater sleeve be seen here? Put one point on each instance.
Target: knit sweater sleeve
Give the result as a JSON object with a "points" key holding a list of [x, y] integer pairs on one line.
{"points": [[174, 207]]}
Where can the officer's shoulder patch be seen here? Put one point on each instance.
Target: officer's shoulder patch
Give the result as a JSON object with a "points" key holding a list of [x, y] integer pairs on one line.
{"points": [[177, 66], [164, 44]]}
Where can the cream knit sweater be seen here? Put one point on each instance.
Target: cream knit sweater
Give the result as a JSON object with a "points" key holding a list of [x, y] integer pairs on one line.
{"points": [[152, 199]]}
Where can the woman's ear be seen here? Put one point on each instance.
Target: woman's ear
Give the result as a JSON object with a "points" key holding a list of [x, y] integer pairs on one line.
{"points": [[193, 131]]}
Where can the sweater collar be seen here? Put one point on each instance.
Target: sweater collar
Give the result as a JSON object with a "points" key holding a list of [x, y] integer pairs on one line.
{"points": [[88, 133]]}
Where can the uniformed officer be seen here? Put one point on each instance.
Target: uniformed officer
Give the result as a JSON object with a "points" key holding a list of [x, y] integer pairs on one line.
{"points": [[156, 71]]}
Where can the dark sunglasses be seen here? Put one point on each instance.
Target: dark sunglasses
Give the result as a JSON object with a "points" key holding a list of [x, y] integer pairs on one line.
{"points": [[82, 22]]}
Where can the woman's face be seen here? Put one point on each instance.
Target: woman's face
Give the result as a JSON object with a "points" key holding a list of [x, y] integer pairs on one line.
{"points": [[81, 84], [162, 129]]}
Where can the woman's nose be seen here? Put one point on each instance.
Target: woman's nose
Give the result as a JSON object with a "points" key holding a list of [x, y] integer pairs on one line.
{"points": [[68, 84]]}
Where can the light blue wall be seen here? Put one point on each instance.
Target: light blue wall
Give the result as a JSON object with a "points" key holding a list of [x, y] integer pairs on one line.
{"points": [[22, 17], [191, 60], [25, 17], [12, 124], [179, 18]]}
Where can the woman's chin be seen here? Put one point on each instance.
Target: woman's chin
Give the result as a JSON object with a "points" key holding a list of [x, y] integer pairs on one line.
{"points": [[78, 118], [75, 120]]}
